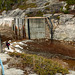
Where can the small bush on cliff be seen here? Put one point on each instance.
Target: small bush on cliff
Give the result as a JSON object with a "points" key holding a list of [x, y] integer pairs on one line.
{"points": [[47, 3], [35, 13], [70, 2], [66, 12], [47, 8], [25, 6]]}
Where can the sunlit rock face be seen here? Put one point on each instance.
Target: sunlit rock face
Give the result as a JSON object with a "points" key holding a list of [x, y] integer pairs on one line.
{"points": [[41, 2], [14, 13], [72, 7], [7, 21], [7, 18], [66, 28]]}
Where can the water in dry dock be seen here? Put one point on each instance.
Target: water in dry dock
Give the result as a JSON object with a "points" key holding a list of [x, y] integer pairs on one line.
{"points": [[61, 50], [71, 63]]}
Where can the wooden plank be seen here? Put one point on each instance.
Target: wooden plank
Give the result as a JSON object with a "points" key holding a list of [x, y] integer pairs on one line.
{"points": [[48, 22], [34, 17]]}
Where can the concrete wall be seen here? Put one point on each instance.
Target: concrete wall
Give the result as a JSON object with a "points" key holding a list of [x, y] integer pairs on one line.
{"points": [[37, 28]]}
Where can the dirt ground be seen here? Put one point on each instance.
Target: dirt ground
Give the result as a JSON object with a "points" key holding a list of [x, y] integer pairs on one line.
{"points": [[54, 47], [56, 50]]}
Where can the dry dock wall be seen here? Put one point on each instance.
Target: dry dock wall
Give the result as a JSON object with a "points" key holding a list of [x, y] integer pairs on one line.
{"points": [[31, 28], [35, 28]]}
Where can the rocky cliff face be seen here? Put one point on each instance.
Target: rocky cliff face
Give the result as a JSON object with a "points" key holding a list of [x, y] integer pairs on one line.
{"points": [[66, 28]]}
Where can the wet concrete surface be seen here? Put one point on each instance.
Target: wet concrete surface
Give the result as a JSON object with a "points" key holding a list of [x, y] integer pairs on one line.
{"points": [[71, 63]]}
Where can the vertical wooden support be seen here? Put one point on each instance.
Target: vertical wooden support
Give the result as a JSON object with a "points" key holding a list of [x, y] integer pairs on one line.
{"points": [[22, 28], [18, 27], [13, 25], [16, 31], [34, 62], [40, 61], [28, 29], [24, 31], [51, 29]]}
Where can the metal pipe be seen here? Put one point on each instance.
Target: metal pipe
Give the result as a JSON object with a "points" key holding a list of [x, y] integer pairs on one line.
{"points": [[28, 29], [2, 67], [0, 44]]}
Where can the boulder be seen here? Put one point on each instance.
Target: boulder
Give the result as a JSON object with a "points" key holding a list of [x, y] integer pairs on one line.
{"points": [[72, 7]]}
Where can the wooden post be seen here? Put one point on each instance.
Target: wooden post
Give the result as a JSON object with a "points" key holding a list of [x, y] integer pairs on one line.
{"points": [[40, 61], [15, 27], [18, 27], [22, 28], [16, 32], [12, 25], [24, 32], [34, 62], [28, 29]]}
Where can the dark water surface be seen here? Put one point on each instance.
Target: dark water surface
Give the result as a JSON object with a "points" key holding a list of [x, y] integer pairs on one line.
{"points": [[71, 63]]}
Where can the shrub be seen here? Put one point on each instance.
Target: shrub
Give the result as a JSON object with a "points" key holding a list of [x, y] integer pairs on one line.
{"points": [[41, 65], [25, 6], [47, 8], [61, 9], [66, 12], [35, 13], [70, 2], [58, 17], [47, 3]]}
